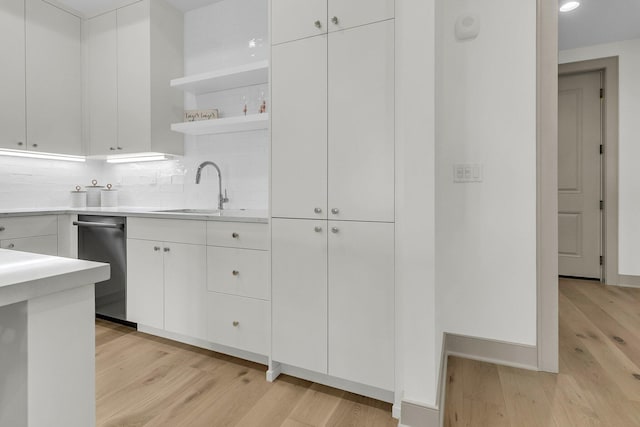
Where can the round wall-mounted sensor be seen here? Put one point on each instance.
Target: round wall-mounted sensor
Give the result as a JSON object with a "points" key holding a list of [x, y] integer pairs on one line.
{"points": [[467, 26]]}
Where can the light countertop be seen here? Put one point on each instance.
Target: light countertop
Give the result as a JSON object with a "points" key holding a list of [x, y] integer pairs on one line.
{"points": [[24, 276], [229, 215]]}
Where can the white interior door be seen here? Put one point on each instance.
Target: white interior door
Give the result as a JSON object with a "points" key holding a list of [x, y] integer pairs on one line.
{"points": [[579, 175]]}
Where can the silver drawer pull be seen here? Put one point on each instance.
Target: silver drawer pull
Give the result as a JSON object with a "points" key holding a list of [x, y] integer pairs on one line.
{"points": [[318, 24], [318, 210], [335, 211], [2, 228], [167, 249], [236, 323], [335, 230], [235, 272], [11, 246], [317, 229], [235, 235], [156, 248]]}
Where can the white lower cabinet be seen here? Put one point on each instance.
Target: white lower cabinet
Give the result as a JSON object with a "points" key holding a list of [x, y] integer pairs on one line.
{"points": [[185, 283], [299, 293], [37, 234], [333, 298], [201, 280], [238, 322], [166, 275], [145, 283]]}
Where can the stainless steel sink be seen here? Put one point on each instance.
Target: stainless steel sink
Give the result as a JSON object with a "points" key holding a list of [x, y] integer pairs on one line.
{"points": [[192, 211]]}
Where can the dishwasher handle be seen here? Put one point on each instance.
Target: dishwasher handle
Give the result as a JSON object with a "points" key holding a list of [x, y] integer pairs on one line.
{"points": [[98, 224]]}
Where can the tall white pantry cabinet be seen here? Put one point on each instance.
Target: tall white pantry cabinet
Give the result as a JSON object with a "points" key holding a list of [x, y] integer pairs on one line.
{"points": [[332, 188]]}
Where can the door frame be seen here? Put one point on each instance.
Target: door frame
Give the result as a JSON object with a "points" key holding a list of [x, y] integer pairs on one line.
{"points": [[547, 184], [609, 68]]}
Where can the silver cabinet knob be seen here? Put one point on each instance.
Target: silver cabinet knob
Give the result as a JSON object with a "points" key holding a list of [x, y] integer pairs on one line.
{"points": [[235, 272], [2, 228], [335, 211], [167, 249], [112, 148], [235, 235], [34, 145], [335, 230], [236, 323], [119, 148], [317, 229], [156, 248], [318, 210], [11, 246], [20, 143], [318, 24], [335, 20]]}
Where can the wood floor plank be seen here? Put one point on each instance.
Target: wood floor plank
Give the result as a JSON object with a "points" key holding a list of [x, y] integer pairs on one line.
{"points": [[317, 405], [598, 384]]}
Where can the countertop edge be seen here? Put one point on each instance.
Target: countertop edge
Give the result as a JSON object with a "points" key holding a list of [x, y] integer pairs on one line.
{"points": [[142, 213]]}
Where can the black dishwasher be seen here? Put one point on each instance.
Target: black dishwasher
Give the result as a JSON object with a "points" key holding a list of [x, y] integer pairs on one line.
{"points": [[103, 239]]}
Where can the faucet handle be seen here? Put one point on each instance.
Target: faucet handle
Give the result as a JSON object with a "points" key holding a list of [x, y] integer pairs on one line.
{"points": [[225, 199]]}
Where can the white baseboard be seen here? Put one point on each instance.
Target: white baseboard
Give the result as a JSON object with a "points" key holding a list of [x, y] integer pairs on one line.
{"points": [[241, 354], [274, 372], [357, 388], [629, 281]]}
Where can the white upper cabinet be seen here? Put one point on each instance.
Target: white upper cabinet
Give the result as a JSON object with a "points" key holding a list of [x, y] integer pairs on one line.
{"points": [[133, 54], [53, 79], [344, 14], [103, 83], [296, 19], [12, 75], [361, 123], [299, 129]]}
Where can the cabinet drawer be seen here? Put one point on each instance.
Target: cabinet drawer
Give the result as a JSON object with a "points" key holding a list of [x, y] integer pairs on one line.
{"points": [[45, 245], [28, 226], [167, 230], [243, 272], [238, 235], [238, 322]]}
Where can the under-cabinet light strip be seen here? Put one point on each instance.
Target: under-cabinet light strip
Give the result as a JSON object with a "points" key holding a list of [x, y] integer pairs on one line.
{"points": [[132, 159], [46, 156]]}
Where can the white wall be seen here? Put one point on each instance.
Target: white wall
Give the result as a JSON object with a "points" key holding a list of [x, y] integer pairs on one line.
{"points": [[417, 356], [486, 113], [629, 132]]}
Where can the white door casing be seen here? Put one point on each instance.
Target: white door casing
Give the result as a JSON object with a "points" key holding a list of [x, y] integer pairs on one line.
{"points": [[579, 175]]}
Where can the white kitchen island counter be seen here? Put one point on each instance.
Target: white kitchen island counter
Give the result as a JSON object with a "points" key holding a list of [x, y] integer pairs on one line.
{"points": [[47, 340]]}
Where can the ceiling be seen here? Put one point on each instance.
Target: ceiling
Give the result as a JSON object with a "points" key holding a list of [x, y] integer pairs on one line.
{"points": [[89, 8], [599, 21]]}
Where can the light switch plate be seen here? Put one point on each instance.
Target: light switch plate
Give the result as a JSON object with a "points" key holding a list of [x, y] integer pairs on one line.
{"points": [[467, 172]]}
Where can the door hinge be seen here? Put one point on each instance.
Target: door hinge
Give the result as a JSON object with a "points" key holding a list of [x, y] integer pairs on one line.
{"points": [[601, 93], [601, 149], [601, 204], [601, 260]]}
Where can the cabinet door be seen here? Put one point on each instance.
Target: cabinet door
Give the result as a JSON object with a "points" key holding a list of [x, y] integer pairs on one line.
{"points": [[185, 289], [145, 283], [299, 293], [54, 81], [103, 84], [45, 245], [299, 129], [12, 75], [361, 302], [352, 13], [361, 123], [295, 19], [134, 78]]}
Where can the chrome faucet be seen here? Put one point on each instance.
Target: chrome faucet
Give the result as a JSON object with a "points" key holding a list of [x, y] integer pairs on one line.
{"points": [[221, 199]]}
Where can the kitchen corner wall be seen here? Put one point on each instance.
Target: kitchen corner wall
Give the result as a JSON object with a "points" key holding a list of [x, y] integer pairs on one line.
{"points": [[226, 33], [486, 114]]}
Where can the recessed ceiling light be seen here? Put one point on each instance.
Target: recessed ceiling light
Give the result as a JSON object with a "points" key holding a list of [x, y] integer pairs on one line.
{"points": [[568, 6]]}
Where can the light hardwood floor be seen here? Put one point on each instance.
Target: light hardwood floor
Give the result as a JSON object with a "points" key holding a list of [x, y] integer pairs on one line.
{"points": [[147, 381], [599, 380]]}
